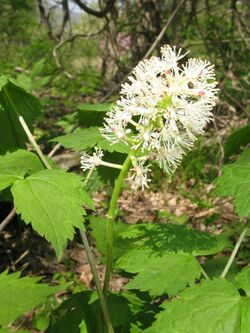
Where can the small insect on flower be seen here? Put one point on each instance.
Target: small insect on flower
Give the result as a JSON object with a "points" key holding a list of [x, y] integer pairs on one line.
{"points": [[163, 107]]}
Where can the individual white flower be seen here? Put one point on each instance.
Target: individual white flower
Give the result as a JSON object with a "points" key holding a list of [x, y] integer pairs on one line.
{"points": [[169, 159], [91, 161], [139, 174], [164, 105], [197, 69], [171, 56]]}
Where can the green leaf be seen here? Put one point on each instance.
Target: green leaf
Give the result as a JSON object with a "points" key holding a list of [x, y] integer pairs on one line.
{"points": [[81, 139], [15, 166], [52, 200], [163, 256], [135, 329], [3, 81], [245, 315], [235, 181], [93, 114], [19, 295], [8, 330], [243, 280], [239, 138], [119, 147], [98, 232], [69, 315], [90, 137], [213, 307], [158, 275], [85, 307], [15, 101], [38, 68], [166, 238]]}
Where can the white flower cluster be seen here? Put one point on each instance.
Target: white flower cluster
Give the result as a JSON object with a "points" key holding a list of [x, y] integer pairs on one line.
{"points": [[162, 109]]}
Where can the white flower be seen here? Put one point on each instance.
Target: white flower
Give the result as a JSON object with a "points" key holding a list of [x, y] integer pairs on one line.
{"points": [[91, 161], [165, 106], [139, 174]]}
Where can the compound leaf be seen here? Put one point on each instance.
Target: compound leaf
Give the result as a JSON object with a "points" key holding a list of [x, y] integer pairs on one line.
{"points": [[52, 200]]}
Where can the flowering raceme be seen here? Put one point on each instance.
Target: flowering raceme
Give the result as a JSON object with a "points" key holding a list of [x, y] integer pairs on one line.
{"points": [[162, 109]]}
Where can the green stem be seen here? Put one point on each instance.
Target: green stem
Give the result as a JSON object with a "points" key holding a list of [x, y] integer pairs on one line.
{"points": [[103, 303], [90, 256], [204, 273], [235, 250], [33, 142], [111, 217]]}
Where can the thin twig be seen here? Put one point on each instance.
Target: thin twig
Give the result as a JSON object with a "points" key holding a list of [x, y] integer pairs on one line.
{"points": [[23, 255], [7, 219]]}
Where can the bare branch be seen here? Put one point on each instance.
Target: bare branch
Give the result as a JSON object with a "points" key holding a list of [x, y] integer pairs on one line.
{"points": [[91, 11]]}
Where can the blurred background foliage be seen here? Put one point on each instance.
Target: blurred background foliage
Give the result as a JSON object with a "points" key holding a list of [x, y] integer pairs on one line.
{"points": [[73, 52]]}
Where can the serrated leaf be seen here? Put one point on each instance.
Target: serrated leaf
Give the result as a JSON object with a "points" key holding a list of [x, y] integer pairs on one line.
{"points": [[166, 238], [19, 295], [213, 307], [90, 137], [81, 139], [52, 200], [98, 232], [163, 256], [15, 101], [159, 275], [14, 166], [243, 280], [235, 181], [93, 114]]}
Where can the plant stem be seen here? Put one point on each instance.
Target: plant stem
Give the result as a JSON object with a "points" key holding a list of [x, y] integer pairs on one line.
{"points": [[204, 273], [103, 303], [111, 217], [91, 260], [33, 142], [235, 250]]}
